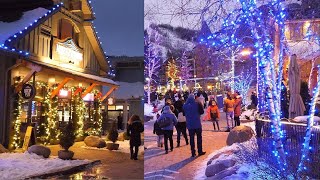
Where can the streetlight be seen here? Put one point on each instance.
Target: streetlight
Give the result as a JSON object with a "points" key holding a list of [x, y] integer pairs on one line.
{"points": [[244, 52]]}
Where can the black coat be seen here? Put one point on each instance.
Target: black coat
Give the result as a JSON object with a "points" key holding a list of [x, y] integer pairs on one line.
{"points": [[156, 129], [134, 131]]}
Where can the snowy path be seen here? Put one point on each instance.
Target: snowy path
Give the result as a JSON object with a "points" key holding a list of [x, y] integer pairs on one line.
{"points": [[179, 164]]}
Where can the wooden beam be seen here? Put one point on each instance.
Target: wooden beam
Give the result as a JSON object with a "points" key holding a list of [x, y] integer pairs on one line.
{"points": [[108, 93], [34, 69], [56, 90], [88, 90], [77, 91]]}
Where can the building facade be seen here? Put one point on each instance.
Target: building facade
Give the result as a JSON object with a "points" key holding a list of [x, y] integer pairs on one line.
{"points": [[53, 71]]}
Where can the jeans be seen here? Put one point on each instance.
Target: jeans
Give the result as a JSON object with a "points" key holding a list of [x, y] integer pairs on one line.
{"points": [[198, 132], [159, 140], [134, 154], [237, 120], [181, 129], [229, 119], [168, 135]]}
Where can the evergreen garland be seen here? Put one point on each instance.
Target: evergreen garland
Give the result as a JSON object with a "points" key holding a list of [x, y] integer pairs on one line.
{"points": [[16, 139], [52, 129]]}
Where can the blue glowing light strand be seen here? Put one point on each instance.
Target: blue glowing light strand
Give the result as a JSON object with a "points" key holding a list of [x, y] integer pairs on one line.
{"points": [[264, 55], [280, 20], [7, 44], [306, 145]]}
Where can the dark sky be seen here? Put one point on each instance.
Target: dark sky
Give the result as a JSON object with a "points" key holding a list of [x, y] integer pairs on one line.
{"points": [[119, 24]]}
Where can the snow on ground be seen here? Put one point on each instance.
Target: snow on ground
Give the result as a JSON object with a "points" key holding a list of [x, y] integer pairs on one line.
{"points": [[246, 157], [9, 29], [24, 165], [148, 109], [124, 147]]}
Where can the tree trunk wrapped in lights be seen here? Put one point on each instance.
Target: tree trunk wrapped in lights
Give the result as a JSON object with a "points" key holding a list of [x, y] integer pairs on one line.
{"points": [[17, 109], [306, 145], [52, 129]]}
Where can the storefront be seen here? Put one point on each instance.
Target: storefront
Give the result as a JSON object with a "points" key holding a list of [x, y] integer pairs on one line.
{"points": [[53, 70]]}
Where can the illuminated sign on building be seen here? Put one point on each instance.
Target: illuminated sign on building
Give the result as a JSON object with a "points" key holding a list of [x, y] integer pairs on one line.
{"points": [[69, 52]]}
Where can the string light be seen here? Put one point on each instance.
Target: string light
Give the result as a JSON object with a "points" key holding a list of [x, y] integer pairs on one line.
{"points": [[306, 145], [251, 16]]}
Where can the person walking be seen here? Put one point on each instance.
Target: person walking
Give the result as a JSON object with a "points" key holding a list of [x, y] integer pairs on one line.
{"points": [[181, 128], [213, 113], [237, 108], [166, 122], [254, 100], [193, 111], [158, 131], [120, 121], [134, 130], [229, 109]]}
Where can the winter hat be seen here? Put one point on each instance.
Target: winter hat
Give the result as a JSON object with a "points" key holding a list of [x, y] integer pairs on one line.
{"points": [[191, 96], [167, 109]]}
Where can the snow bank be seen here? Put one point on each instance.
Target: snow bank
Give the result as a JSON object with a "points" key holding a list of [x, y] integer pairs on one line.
{"points": [[148, 110], [124, 147], [24, 165], [246, 157], [9, 29]]}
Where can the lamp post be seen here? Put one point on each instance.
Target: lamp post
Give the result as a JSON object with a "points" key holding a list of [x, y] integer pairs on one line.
{"points": [[244, 52]]}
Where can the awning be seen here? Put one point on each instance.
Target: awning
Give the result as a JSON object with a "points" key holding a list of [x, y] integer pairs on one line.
{"points": [[66, 72]]}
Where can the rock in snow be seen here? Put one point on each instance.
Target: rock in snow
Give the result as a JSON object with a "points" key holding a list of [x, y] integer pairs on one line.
{"points": [[219, 166], [240, 134], [94, 141], [40, 150]]}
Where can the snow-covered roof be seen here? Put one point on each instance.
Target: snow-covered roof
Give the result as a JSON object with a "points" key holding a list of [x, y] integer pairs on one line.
{"points": [[304, 49], [29, 17], [129, 90]]}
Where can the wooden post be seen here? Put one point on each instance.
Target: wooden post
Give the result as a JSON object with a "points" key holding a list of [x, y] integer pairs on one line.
{"points": [[34, 69], [88, 90], [56, 91]]}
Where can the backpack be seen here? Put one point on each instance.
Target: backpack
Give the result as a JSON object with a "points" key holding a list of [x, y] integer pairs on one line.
{"points": [[164, 122]]}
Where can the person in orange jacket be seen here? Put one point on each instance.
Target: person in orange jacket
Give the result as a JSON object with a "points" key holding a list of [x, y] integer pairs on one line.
{"points": [[237, 108], [213, 113]]}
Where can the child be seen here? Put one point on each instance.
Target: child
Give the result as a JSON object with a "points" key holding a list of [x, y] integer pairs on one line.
{"points": [[213, 113], [135, 128], [158, 131]]}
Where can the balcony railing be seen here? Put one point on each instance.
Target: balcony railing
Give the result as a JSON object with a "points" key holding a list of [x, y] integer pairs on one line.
{"points": [[293, 139]]}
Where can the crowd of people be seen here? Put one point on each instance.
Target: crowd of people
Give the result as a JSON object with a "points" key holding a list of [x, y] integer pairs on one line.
{"points": [[184, 111]]}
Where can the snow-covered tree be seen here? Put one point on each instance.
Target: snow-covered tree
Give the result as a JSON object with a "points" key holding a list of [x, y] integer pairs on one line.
{"points": [[152, 60], [262, 23], [186, 67], [242, 84]]}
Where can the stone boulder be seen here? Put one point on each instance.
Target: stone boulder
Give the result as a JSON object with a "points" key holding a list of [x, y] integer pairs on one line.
{"points": [[92, 141], [226, 153], [102, 143], [240, 134], [40, 150], [219, 166], [95, 141], [3, 149], [225, 173]]}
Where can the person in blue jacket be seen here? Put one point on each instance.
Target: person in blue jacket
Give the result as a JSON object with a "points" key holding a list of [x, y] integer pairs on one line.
{"points": [[168, 130], [193, 111]]}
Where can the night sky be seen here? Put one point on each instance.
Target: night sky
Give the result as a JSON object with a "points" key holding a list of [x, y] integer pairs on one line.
{"points": [[119, 24]]}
